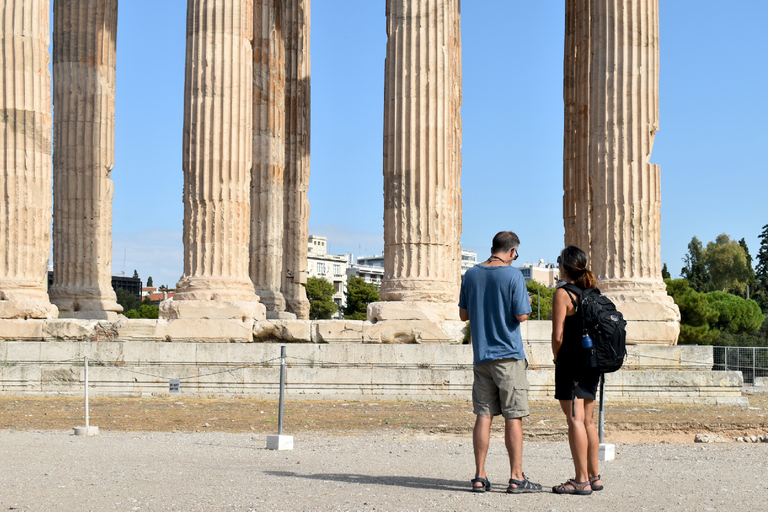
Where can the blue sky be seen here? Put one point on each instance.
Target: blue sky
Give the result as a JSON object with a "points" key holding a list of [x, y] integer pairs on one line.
{"points": [[711, 145]]}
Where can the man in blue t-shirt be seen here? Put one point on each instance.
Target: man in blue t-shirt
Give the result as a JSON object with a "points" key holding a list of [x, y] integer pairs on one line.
{"points": [[495, 300]]}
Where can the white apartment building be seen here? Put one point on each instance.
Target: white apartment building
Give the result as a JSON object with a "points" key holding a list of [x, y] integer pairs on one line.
{"points": [[328, 266], [468, 260], [547, 274]]}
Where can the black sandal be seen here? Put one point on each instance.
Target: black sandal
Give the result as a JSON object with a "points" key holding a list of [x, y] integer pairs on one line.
{"points": [[579, 488], [592, 481], [523, 485], [480, 488]]}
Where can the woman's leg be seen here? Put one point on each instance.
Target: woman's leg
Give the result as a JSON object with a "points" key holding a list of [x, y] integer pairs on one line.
{"points": [[577, 436], [593, 440]]}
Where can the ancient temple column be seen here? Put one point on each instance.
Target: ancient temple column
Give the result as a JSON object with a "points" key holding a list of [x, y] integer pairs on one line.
{"points": [[84, 38], [217, 146], [617, 187], [268, 155], [422, 160], [296, 23], [25, 171]]}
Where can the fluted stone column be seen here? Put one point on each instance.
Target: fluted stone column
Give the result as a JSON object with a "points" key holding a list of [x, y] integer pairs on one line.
{"points": [[218, 146], [422, 161], [25, 171], [297, 133], [617, 187], [84, 40], [268, 155]]}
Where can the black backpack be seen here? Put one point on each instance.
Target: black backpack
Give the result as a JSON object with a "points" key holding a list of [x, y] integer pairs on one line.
{"points": [[605, 325]]}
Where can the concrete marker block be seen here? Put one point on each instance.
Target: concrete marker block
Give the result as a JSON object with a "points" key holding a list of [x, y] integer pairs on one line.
{"points": [[280, 442], [607, 452]]}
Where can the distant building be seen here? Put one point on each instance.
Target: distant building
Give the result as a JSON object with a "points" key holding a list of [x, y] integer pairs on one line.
{"points": [[371, 261], [468, 260], [545, 273], [130, 284], [329, 267], [369, 273]]}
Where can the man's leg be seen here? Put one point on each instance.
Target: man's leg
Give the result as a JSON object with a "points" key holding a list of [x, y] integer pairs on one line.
{"points": [[481, 438], [513, 438]]}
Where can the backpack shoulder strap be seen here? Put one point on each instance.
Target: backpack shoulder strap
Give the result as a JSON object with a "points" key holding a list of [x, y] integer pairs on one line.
{"points": [[571, 288]]}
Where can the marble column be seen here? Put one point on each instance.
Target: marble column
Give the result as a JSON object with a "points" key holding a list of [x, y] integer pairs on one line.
{"points": [[25, 172], [296, 25], [422, 161], [217, 155], [84, 37], [617, 186], [268, 155]]}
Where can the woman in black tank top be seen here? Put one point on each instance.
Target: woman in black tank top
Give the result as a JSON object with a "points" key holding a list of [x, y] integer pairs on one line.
{"points": [[575, 382]]}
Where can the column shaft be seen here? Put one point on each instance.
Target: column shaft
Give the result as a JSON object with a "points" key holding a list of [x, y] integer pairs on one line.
{"points": [[268, 154], [217, 146], [297, 125], [25, 147], [84, 43], [619, 205], [422, 158]]}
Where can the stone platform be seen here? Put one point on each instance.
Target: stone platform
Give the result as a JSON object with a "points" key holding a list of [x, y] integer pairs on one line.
{"points": [[325, 360]]}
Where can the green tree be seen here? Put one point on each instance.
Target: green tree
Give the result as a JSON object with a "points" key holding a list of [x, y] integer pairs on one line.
{"points": [[149, 281], [696, 315], [127, 299], [359, 294], [664, 273], [320, 294], [735, 314], [726, 265], [135, 274], [760, 292], [541, 299], [694, 270]]}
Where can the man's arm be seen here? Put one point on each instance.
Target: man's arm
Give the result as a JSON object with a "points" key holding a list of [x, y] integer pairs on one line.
{"points": [[522, 318], [464, 314]]}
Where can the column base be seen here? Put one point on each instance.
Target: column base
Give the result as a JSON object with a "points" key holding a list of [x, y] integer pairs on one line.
{"points": [[90, 315], [85, 308], [272, 300], [652, 316], [211, 309], [27, 309], [299, 308]]}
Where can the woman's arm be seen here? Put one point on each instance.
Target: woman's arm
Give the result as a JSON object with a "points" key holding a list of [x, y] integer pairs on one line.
{"points": [[560, 303]]}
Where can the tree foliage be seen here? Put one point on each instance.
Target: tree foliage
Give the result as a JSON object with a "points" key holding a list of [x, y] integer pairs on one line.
{"points": [[726, 265], [694, 270], [127, 299], [320, 294], [541, 298], [696, 315], [735, 314], [760, 288], [149, 281], [144, 311], [664, 273], [359, 294], [135, 274]]}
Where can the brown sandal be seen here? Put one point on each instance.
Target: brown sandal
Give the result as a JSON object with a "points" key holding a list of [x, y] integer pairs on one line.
{"points": [[576, 488], [592, 481]]}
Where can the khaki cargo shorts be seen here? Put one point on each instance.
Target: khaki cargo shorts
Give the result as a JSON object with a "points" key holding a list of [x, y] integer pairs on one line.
{"points": [[501, 387]]}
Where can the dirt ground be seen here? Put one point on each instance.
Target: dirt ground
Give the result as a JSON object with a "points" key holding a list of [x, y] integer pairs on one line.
{"points": [[623, 423]]}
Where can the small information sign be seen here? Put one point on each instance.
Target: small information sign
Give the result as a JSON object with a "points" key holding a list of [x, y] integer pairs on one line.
{"points": [[173, 385]]}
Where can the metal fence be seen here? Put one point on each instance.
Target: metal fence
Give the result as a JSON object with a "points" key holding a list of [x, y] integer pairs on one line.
{"points": [[752, 362]]}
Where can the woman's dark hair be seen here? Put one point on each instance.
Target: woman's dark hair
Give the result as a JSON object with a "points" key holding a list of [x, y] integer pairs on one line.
{"points": [[574, 263]]}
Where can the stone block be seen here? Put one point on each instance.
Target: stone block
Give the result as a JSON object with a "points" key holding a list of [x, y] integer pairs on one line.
{"points": [[21, 330], [221, 330], [662, 332], [294, 331], [212, 310], [140, 329], [412, 310], [69, 330], [328, 331], [537, 330], [648, 311], [414, 331]]}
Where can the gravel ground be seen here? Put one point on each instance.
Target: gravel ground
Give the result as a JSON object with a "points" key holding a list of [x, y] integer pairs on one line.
{"points": [[219, 471]]}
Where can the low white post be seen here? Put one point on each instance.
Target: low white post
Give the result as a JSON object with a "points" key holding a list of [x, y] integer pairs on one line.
{"points": [[607, 450], [87, 430], [280, 442]]}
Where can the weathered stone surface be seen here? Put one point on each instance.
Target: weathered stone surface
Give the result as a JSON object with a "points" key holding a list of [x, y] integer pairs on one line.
{"points": [[296, 27], [422, 152], [197, 330], [22, 330], [412, 310], [413, 331], [25, 148], [612, 192], [268, 154], [330, 331], [84, 38], [218, 146]]}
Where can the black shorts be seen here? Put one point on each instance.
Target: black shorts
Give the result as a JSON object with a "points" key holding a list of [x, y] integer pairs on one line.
{"points": [[570, 383]]}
